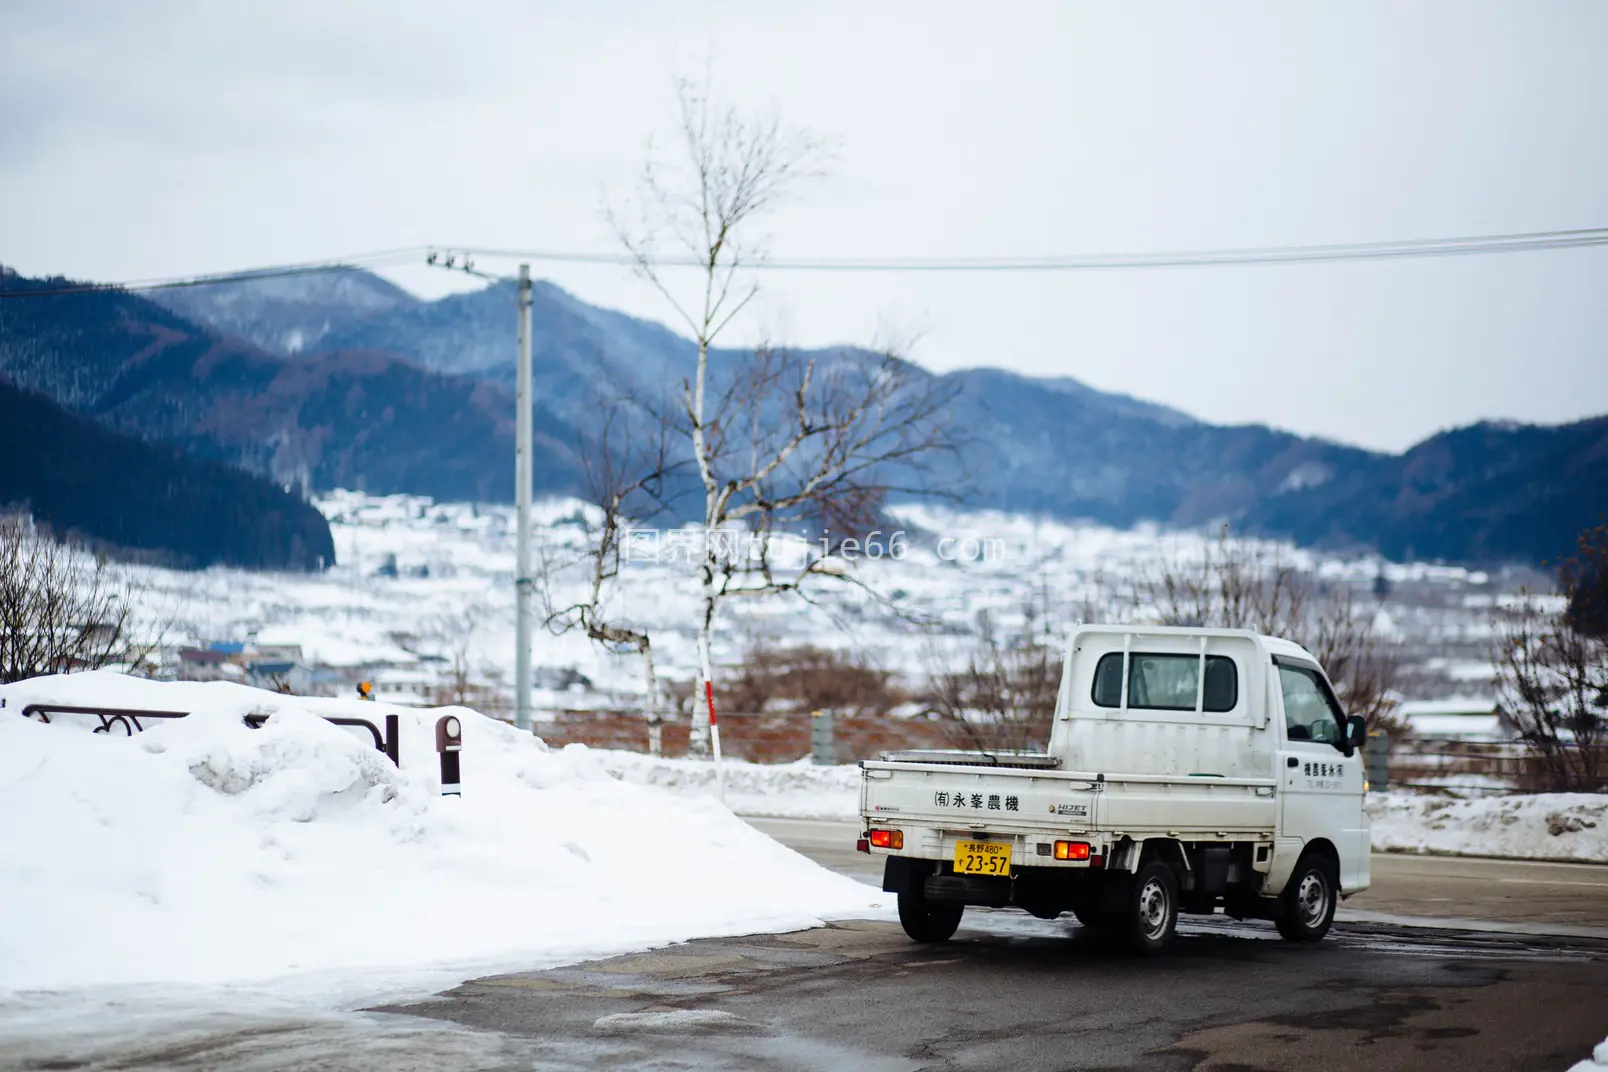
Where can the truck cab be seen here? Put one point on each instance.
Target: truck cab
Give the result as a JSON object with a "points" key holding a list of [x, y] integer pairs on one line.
{"points": [[1187, 770]]}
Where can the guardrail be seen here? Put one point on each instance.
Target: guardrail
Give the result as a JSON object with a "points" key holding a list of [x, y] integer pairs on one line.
{"points": [[1480, 767], [388, 741], [129, 717]]}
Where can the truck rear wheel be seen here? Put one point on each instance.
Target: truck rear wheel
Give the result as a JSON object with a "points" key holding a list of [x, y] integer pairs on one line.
{"points": [[928, 921], [1306, 907], [1150, 914]]}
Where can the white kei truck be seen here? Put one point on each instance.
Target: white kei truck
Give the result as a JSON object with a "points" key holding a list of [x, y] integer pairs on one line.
{"points": [[1187, 770]]}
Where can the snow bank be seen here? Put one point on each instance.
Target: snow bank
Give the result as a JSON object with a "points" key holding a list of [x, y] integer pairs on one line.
{"points": [[1597, 1062], [1548, 826], [201, 851], [1545, 826], [798, 790]]}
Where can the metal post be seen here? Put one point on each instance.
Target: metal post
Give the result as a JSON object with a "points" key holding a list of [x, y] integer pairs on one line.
{"points": [[1376, 761], [823, 739], [522, 486], [449, 742]]}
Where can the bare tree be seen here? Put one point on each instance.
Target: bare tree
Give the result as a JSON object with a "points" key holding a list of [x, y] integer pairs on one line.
{"points": [[782, 443], [626, 476], [1003, 698], [1552, 672], [1242, 584], [62, 608], [450, 636]]}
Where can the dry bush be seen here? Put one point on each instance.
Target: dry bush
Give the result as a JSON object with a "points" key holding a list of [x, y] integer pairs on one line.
{"points": [[62, 609], [1003, 699], [1240, 584], [1552, 672], [809, 678]]}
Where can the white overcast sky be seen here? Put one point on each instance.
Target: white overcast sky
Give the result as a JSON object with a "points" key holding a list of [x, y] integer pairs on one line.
{"points": [[166, 138]]}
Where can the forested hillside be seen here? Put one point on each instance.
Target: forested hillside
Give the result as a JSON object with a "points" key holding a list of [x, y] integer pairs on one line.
{"points": [[113, 490]]}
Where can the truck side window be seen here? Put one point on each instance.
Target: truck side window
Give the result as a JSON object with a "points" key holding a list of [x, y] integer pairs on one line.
{"points": [[1309, 714], [1222, 684], [1162, 682], [1108, 680]]}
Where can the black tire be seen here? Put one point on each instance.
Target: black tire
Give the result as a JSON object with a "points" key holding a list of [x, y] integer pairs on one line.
{"points": [[1087, 909], [928, 921], [1149, 919], [1306, 907]]}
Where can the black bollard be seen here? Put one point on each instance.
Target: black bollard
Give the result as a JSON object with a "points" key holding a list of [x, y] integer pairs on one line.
{"points": [[449, 740]]}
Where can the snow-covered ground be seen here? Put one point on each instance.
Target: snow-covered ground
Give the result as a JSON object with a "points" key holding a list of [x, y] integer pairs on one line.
{"points": [[1597, 1062], [420, 577], [773, 791], [1544, 826], [204, 852]]}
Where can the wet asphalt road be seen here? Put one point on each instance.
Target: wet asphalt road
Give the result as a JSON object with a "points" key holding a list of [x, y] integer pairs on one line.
{"points": [[1017, 993], [1528, 991]]}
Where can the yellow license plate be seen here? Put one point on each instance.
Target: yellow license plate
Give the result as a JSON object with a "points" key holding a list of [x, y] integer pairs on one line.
{"points": [[982, 858]]}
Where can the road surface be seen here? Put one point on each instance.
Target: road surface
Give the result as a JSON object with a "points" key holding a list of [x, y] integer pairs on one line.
{"points": [[1513, 975], [1540, 896]]}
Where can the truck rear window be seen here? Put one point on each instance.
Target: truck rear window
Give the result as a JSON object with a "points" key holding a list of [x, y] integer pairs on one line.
{"points": [[1164, 682]]}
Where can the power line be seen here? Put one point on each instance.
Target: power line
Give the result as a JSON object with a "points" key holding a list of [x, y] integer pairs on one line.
{"points": [[1426, 247], [1532, 241]]}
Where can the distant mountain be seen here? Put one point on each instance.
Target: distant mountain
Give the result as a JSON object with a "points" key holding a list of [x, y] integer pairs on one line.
{"points": [[1489, 492], [1038, 444], [390, 393], [1055, 445], [110, 489], [1084, 453], [578, 349], [288, 314], [360, 419]]}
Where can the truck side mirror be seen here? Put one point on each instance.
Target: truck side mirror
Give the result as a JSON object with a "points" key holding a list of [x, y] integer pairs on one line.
{"points": [[1356, 734]]}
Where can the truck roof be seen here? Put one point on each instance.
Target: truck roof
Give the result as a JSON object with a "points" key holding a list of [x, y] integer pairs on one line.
{"points": [[1274, 645]]}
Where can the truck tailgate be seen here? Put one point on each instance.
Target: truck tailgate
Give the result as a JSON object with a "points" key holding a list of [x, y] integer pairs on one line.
{"points": [[966, 798]]}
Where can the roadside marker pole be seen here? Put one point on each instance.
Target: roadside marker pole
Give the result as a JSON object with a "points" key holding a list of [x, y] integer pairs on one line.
{"points": [[714, 725], [449, 742], [522, 488]]}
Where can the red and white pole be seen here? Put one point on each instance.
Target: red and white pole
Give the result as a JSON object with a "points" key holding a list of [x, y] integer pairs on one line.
{"points": [[714, 725]]}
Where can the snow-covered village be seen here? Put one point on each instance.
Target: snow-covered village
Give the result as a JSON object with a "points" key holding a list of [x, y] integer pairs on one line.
{"points": [[905, 538]]}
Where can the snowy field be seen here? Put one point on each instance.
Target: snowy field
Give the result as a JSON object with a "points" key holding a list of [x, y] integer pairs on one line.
{"points": [[451, 596], [203, 852]]}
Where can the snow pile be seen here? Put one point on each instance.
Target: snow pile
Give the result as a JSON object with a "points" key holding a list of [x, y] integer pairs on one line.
{"points": [[1545, 826], [1597, 1062], [202, 851], [798, 790]]}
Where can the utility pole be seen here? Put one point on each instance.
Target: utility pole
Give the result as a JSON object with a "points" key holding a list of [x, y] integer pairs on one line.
{"points": [[522, 480]]}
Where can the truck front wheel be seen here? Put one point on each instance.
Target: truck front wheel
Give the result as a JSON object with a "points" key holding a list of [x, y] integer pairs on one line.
{"points": [[1152, 909], [928, 921], [1306, 908]]}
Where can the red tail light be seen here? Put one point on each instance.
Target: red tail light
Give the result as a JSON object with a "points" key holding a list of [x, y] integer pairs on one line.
{"points": [[887, 839], [1071, 850]]}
